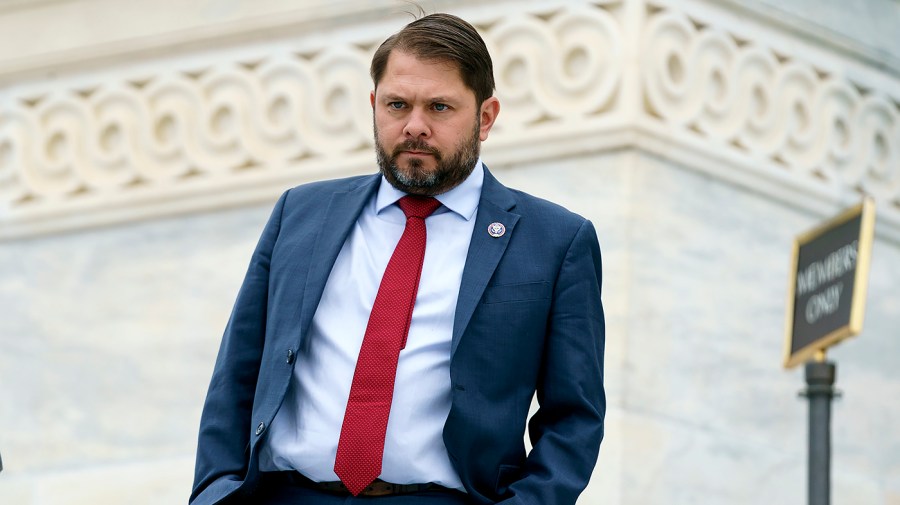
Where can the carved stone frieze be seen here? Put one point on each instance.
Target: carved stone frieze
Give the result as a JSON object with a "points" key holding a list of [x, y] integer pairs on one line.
{"points": [[224, 127], [764, 104]]}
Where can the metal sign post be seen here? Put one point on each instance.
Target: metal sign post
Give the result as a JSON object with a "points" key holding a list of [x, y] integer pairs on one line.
{"points": [[820, 377], [826, 304]]}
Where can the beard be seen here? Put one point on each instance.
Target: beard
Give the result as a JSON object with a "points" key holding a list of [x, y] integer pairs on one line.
{"points": [[450, 169]]}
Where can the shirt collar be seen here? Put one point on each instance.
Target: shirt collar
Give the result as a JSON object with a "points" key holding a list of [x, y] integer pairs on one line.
{"points": [[462, 199]]}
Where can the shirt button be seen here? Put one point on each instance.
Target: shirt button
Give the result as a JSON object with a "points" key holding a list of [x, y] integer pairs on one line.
{"points": [[290, 356], [260, 428]]}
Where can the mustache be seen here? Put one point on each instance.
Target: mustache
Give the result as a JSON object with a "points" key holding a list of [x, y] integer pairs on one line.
{"points": [[416, 145]]}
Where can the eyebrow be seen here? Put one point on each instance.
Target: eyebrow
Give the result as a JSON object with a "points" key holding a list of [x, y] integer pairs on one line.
{"points": [[393, 97]]}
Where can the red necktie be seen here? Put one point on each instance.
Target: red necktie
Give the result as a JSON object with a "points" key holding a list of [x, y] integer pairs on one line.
{"points": [[361, 446]]}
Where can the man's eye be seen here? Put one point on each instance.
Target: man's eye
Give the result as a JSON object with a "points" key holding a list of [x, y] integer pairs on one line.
{"points": [[440, 107], [395, 105]]}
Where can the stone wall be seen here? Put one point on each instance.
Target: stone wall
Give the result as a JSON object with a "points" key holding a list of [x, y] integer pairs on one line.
{"points": [[142, 145]]}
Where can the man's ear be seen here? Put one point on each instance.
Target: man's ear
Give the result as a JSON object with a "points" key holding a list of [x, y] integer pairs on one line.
{"points": [[372, 98], [490, 108]]}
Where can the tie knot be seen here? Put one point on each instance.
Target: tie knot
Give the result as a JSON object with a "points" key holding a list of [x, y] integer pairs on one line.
{"points": [[418, 206]]}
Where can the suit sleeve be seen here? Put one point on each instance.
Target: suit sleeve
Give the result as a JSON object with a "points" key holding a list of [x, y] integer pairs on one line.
{"points": [[222, 448], [567, 429]]}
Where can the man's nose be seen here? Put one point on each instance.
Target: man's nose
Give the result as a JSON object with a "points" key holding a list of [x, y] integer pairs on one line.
{"points": [[417, 125]]}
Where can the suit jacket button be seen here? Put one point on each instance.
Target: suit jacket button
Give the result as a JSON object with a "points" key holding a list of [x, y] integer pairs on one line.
{"points": [[260, 428], [290, 356]]}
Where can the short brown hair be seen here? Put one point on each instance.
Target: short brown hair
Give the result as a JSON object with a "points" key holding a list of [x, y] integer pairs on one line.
{"points": [[442, 37]]}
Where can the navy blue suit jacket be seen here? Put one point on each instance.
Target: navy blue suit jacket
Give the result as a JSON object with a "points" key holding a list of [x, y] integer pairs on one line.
{"points": [[528, 319]]}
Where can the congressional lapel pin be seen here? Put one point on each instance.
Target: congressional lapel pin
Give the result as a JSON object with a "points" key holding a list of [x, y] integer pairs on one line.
{"points": [[496, 230]]}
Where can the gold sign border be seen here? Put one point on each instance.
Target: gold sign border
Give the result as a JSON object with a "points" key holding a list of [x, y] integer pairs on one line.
{"points": [[860, 282]]}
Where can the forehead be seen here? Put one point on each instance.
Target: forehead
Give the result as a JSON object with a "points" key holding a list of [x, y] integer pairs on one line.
{"points": [[406, 72]]}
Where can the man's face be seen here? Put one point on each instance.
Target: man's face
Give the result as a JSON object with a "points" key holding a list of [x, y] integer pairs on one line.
{"points": [[428, 128]]}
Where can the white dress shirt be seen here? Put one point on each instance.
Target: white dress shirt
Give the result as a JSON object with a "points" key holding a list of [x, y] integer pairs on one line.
{"points": [[304, 434]]}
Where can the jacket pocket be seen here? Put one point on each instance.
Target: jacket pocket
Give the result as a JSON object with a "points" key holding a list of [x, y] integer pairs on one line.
{"points": [[519, 292], [506, 475]]}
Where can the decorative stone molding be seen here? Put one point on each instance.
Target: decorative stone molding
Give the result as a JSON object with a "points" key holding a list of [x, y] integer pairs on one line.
{"points": [[827, 130], [212, 128], [194, 122]]}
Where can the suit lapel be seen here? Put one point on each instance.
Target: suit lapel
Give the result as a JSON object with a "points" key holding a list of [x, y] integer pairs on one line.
{"points": [[342, 213], [485, 251]]}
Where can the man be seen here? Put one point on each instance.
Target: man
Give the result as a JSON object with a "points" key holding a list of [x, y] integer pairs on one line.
{"points": [[392, 329]]}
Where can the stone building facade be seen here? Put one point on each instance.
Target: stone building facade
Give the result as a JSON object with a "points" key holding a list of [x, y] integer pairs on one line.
{"points": [[143, 143]]}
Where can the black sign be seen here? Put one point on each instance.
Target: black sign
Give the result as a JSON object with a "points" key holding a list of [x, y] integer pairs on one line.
{"points": [[826, 297]]}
